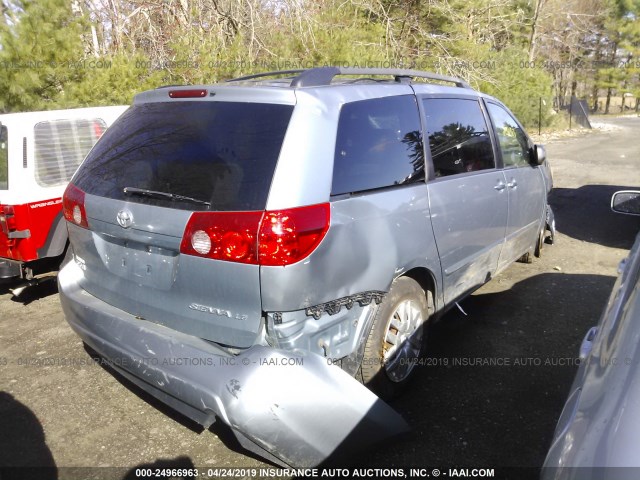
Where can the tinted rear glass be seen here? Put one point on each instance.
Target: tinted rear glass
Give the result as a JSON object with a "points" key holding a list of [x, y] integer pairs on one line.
{"points": [[223, 153], [378, 145]]}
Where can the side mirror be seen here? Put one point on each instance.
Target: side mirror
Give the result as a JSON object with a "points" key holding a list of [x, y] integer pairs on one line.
{"points": [[539, 154], [626, 201]]}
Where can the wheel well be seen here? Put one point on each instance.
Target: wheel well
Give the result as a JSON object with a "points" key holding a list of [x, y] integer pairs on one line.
{"points": [[425, 279]]}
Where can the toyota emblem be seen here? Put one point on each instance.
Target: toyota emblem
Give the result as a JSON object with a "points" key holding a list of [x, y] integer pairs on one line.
{"points": [[125, 218]]}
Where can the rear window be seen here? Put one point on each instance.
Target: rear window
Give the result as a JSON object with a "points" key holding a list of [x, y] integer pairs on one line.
{"points": [[61, 145], [4, 158], [222, 153], [378, 145]]}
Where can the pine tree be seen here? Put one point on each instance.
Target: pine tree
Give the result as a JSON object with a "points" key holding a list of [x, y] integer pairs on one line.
{"points": [[41, 43]]}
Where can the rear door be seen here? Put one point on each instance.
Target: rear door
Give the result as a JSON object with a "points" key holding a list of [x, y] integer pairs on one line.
{"points": [[467, 193], [205, 156], [525, 185]]}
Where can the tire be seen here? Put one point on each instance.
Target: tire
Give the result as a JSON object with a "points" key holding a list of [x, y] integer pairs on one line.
{"points": [[526, 258], [387, 368], [535, 251], [538, 250]]}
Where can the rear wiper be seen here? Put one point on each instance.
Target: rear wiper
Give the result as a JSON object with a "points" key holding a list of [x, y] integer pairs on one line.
{"points": [[170, 196]]}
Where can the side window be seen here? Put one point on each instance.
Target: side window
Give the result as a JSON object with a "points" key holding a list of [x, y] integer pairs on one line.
{"points": [[458, 136], [512, 139], [61, 145], [4, 158], [378, 145]]}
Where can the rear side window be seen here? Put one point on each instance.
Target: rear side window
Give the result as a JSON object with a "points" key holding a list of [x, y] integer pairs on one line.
{"points": [[514, 144], [4, 158], [458, 136], [61, 145], [378, 145], [221, 153]]}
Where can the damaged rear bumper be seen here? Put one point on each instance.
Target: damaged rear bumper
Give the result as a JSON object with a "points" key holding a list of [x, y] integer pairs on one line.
{"points": [[292, 408]]}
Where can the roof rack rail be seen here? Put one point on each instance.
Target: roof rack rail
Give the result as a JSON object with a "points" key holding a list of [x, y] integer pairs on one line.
{"points": [[265, 74], [324, 75], [319, 76]]}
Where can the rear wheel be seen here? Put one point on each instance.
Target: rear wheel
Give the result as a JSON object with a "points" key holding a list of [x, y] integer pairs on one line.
{"points": [[397, 336]]}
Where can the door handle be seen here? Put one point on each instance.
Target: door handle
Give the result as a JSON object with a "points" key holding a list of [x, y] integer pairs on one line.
{"points": [[622, 265], [500, 186], [587, 343], [512, 183]]}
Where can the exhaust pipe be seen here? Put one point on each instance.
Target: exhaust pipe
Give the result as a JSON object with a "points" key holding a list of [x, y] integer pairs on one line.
{"points": [[23, 286], [17, 291]]}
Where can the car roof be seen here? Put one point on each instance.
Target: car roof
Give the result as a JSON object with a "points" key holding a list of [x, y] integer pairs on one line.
{"points": [[345, 84]]}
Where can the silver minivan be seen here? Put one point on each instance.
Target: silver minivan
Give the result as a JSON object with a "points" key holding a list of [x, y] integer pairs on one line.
{"points": [[243, 250]]}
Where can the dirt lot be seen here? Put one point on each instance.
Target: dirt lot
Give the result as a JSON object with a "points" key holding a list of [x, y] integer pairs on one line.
{"points": [[463, 413]]}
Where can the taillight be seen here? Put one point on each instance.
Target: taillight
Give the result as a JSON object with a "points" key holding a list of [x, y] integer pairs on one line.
{"points": [[73, 206], [11, 223], [274, 238], [228, 236], [98, 130], [7, 217], [288, 236]]}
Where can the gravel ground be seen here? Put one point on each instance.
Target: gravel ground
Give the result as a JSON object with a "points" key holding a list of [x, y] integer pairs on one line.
{"points": [[488, 395]]}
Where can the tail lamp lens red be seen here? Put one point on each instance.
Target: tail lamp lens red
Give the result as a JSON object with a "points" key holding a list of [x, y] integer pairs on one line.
{"points": [[288, 236], [7, 216], [73, 206], [222, 236], [98, 129], [273, 238]]}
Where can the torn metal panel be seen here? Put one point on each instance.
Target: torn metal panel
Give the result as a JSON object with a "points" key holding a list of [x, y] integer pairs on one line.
{"points": [[335, 333], [333, 307], [331, 336]]}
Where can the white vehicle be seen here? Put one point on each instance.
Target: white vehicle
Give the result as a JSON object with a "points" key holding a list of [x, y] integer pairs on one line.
{"points": [[39, 152]]}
